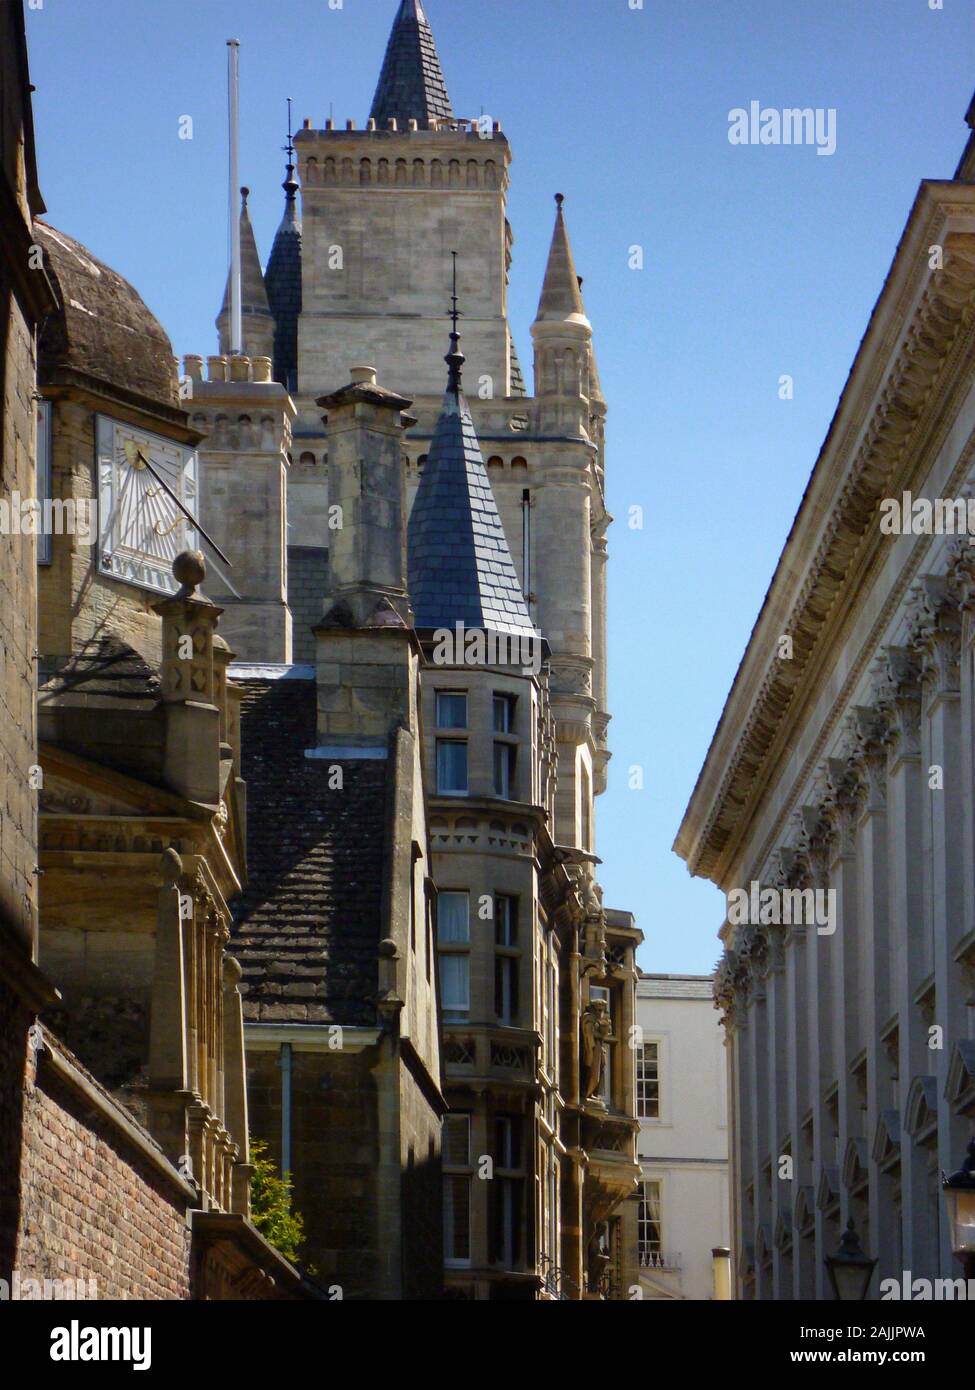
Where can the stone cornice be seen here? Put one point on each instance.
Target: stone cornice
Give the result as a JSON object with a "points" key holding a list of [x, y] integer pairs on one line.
{"points": [[908, 365]]}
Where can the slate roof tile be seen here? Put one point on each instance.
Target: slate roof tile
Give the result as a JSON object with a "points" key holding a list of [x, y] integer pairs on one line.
{"points": [[308, 925]]}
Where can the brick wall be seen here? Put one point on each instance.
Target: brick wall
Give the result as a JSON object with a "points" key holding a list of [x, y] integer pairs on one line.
{"points": [[14, 1023], [91, 1206]]}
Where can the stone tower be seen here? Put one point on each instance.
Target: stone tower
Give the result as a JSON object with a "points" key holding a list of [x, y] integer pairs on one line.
{"points": [[507, 537]]}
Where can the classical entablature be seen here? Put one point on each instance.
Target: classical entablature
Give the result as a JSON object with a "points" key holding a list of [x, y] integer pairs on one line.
{"points": [[888, 427]]}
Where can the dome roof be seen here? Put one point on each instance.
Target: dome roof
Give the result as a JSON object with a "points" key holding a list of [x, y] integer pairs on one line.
{"points": [[103, 328]]}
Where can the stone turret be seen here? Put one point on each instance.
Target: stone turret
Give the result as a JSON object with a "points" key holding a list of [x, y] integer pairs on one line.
{"points": [[257, 322], [563, 342], [244, 460]]}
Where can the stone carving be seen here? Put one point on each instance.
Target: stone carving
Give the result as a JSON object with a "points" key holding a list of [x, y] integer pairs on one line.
{"points": [[596, 1028]]}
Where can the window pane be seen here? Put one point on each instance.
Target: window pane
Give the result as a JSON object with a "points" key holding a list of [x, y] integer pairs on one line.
{"points": [[503, 714], [457, 1217], [451, 767], [504, 761], [648, 1225], [455, 984], [505, 921], [648, 1082], [506, 988], [457, 1141], [453, 919], [451, 710]]}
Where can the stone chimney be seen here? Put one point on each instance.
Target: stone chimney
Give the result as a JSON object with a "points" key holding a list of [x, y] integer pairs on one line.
{"points": [[366, 647]]}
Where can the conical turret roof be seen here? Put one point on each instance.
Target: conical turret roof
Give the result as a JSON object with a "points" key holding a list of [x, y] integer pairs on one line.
{"points": [[561, 296], [459, 566]]}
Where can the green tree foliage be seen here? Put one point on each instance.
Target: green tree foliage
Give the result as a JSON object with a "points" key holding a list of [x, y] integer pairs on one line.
{"points": [[271, 1210]]}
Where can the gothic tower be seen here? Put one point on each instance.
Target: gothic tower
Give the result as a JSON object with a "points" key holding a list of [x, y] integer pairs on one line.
{"points": [[537, 979]]}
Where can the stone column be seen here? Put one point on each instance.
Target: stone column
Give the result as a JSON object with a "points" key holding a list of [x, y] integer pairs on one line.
{"points": [[169, 1091], [872, 732], [845, 799], [905, 800], [938, 639]]}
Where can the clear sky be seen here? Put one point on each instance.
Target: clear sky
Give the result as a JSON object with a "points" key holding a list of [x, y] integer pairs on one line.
{"points": [[758, 261]]}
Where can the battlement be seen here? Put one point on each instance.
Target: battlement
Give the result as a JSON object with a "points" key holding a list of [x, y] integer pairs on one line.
{"points": [[228, 369], [465, 154], [225, 406]]}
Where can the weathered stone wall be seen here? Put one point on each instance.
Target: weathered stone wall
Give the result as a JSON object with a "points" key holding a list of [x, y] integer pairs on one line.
{"points": [[307, 580], [91, 1206], [18, 633], [334, 1158], [422, 1192]]}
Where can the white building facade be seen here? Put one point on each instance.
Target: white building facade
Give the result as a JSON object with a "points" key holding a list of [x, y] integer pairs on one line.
{"points": [[836, 808], [681, 1091]]}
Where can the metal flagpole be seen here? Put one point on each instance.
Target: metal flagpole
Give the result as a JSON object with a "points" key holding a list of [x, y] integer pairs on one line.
{"points": [[236, 322]]}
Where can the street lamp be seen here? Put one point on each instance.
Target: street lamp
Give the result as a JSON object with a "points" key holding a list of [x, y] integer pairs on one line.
{"points": [[850, 1270], [959, 1192]]}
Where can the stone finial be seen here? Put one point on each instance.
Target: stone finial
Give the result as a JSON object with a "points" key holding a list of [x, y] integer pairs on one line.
{"points": [[232, 972], [189, 569], [172, 867]]}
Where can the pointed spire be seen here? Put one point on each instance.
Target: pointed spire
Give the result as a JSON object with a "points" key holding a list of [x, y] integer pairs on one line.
{"points": [[561, 296], [283, 278], [258, 325], [411, 84], [460, 569]]}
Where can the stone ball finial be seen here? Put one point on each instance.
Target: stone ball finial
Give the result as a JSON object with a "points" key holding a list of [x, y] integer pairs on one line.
{"points": [[232, 972], [560, 199], [190, 569], [172, 866]]}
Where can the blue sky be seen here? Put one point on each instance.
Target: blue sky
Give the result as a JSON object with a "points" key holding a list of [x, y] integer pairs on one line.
{"points": [[758, 262]]}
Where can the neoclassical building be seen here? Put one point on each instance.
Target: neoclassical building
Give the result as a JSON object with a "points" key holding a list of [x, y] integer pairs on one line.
{"points": [[370, 502], [843, 765]]}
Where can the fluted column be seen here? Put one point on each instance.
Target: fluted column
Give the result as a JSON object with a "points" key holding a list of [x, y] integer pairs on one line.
{"points": [[905, 801], [872, 732], [845, 799], [938, 641]]}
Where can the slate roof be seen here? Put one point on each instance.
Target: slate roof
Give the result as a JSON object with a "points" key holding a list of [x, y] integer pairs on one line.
{"points": [[411, 84], [283, 282], [308, 925], [517, 375], [459, 565]]}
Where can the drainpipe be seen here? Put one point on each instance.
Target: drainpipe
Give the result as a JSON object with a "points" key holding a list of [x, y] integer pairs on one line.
{"points": [[285, 1064]]}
